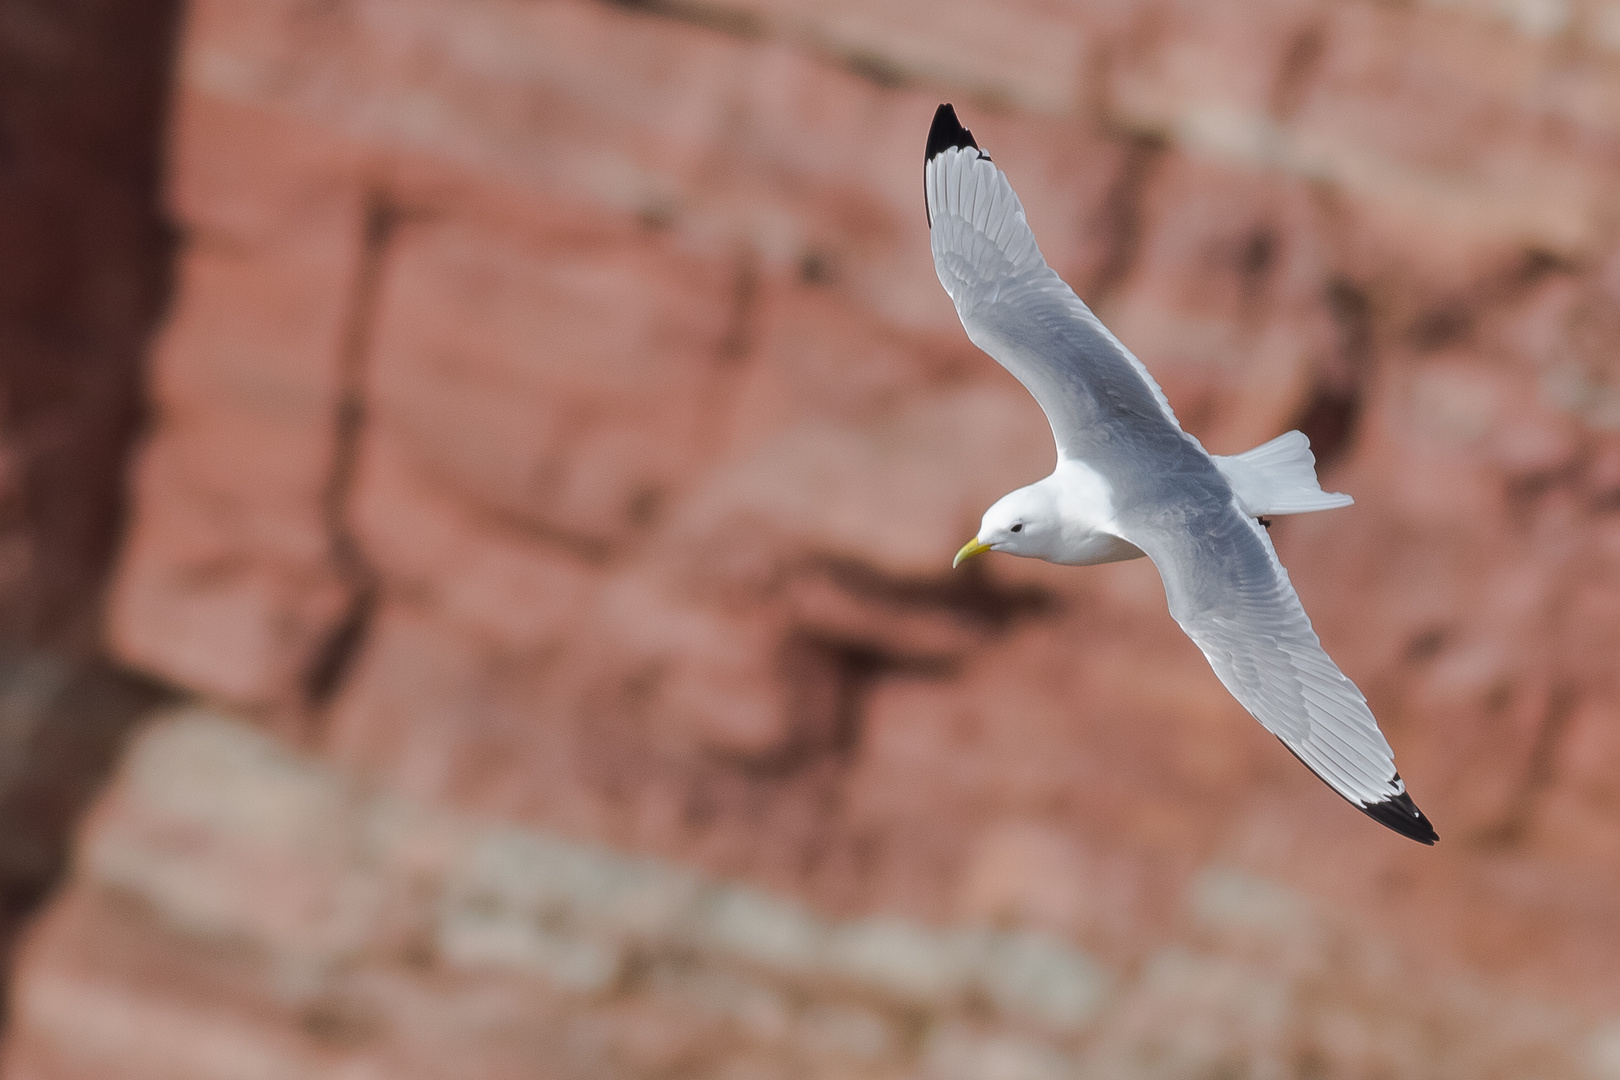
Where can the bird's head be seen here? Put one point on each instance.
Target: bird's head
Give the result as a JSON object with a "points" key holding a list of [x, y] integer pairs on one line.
{"points": [[1023, 522]]}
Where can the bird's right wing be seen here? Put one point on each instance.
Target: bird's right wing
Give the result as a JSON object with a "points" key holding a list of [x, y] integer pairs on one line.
{"points": [[1233, 598], [1016, 308]]}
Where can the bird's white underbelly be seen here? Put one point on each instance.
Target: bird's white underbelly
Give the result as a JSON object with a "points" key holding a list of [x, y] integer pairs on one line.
{"points": [[1085, 505]]}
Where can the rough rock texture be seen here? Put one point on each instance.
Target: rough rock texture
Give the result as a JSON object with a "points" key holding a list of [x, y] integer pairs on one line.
{"points": [[240, 911], [559, 421]]}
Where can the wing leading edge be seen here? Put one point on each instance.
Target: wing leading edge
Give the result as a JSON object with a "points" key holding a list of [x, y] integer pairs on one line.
{"points": [[1016, 308]]}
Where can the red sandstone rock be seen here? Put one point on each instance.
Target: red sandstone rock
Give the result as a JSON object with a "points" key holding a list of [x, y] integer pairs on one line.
{"points": [[566, 392], [191, 607], [1229, 294], [567, 387], [527, 598]]}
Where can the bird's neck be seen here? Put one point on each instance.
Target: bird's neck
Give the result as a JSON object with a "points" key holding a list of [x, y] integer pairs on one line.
{"points": [[1080, 496]]}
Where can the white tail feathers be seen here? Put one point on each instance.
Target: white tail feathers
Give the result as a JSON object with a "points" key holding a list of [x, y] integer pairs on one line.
{"points": [[1278, 477]]}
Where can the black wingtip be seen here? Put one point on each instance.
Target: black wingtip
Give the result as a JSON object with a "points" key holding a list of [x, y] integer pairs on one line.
{"points": [[946, 133], [1401, 814]]}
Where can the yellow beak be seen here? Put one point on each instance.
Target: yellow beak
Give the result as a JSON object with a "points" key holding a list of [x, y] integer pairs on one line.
{"points": [[971, 548]]}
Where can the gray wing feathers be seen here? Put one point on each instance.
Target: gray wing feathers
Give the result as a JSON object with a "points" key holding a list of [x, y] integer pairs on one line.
{"points": [[1233, 598], [1013, 305]]}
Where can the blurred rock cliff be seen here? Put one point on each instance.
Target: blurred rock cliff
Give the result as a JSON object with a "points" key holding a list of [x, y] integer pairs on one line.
{"points": [[558, 442]]}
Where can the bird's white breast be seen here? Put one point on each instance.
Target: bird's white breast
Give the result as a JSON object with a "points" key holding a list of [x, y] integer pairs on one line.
{"points": [[1085, 505]]}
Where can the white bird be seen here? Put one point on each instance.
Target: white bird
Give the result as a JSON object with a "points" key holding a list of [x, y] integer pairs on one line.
{"points": [[1130, 482]]}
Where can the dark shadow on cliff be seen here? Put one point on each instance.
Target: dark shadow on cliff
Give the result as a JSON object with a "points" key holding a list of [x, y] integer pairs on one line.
{"points": [[85, 276], [84, 86]]}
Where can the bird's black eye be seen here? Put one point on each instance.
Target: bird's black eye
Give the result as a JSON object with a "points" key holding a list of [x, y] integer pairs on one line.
{"points": [[1018, 527]]}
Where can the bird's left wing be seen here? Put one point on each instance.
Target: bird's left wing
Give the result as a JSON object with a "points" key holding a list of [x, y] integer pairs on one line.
{"points": [[1232, 596], [1016, 308]]}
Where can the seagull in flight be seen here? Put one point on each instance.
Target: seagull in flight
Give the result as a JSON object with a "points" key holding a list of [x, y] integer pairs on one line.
{"points": [[1130, 482]]}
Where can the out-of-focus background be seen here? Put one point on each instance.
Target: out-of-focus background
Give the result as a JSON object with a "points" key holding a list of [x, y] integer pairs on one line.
{"points": [[478, 481]]}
